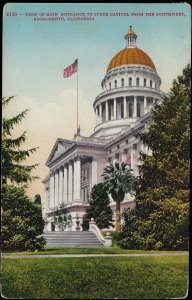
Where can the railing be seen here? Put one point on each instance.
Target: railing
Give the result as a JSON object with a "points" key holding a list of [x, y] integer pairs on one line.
{"points": [[91, 140], [106, 241], [129, 89]]}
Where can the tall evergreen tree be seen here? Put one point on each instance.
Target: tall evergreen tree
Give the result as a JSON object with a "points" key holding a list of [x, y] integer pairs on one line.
{"points": [[162, 195], [13, 169], [22, 220], [99, 208]]}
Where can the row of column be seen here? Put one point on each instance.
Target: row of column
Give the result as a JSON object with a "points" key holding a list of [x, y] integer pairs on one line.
{"points": [[65, 183], [98, 109]]}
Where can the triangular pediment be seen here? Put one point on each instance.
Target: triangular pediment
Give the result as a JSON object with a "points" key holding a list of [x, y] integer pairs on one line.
{"points": [[60, 147]]}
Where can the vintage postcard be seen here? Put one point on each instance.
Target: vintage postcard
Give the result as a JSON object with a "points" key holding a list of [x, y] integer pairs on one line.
{"points": [[90, 75]]}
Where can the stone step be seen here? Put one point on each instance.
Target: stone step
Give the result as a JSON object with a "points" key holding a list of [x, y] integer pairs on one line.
{"points": [[71, 239]]}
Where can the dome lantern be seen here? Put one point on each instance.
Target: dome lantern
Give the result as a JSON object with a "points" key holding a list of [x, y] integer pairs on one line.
{"points": [[131, 38]]}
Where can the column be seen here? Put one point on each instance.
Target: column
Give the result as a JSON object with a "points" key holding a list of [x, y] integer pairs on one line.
{"points": [[94, 172], [106, 111], [124, 107], [60, 186], [78, 178], [115, 109], [135, 107], [132, 158], [70, 183], [124, 156], [100, 114], [74, 180], [56, 188], [145, 103], [52, 194], [65, 190], [98, 117]]}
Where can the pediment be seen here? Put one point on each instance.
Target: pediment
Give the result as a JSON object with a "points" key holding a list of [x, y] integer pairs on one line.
{"points": [[60, 147]]}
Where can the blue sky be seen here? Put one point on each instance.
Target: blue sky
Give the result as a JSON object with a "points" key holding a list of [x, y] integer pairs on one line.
{"points": [[36, 52]]}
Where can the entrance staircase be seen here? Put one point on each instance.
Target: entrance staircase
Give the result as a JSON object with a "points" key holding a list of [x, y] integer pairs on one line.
{"points": [[72, 239]]}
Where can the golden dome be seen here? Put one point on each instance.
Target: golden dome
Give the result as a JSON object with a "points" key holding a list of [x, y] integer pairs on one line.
{"points": [[129, 56]]}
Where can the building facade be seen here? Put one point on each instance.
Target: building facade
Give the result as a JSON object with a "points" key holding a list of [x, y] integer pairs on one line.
{"points": [[131, 87]]}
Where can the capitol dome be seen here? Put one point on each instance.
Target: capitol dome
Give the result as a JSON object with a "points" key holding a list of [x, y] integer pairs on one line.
{"points": [[129, 56], [131, 86]]}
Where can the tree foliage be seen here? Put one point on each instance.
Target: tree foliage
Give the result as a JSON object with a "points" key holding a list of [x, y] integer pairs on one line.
{"points": [[22, 220], [118, 181], [160, 219], [37, 199], [99, 208], [13, 168]]}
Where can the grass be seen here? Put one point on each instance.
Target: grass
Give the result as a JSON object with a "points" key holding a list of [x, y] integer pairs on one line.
{"points": [[110, 250], [95, 278]]}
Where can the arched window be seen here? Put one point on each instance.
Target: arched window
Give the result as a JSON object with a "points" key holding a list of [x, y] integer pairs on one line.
{"points": [[115, 83], [145, 82], [130, 81], [138, 110], [137, 81], [109, 85], [122, 81], [151, 83], [130, 110]]}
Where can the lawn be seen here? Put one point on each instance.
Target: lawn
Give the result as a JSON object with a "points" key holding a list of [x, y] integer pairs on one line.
{"points": [[101, 250], [95, 278]]}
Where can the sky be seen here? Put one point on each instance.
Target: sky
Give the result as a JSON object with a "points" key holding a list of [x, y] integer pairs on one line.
{"points": [[35, 53]]}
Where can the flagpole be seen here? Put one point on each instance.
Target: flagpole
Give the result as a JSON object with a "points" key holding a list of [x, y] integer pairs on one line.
{"points": [[77, 101]]}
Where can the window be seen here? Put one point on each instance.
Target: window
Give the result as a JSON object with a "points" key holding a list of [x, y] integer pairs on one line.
{"points": [[150, 83], [137, 81], [138, 110], [130, 81], [109, 159], [115, 83], [145, 81], [110, 85], [130, 110], [122, 81], [155, 85]]}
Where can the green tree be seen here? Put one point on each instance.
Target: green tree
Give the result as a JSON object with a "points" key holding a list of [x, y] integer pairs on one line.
{"points": [[13, 169], [22, 219], [37, 199], [99, 208], [118, 181], [162, 193]]}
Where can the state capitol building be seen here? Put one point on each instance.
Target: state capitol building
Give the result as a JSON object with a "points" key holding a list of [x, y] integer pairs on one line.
{"points": [[130, 88]]}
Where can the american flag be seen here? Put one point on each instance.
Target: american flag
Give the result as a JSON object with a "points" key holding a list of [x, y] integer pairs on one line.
{"points": [[71, 69]]}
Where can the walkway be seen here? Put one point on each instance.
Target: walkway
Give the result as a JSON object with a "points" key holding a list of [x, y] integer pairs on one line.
{"points": [[93, 255]]}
